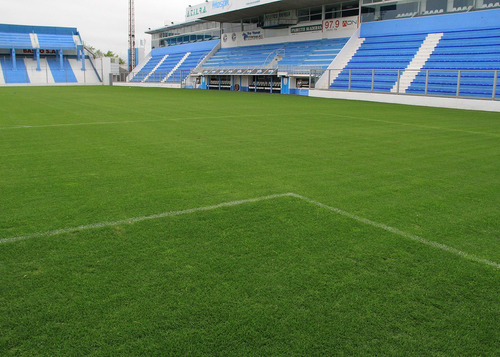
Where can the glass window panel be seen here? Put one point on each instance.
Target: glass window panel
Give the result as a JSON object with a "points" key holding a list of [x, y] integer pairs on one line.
{"points": [[433, 5]]}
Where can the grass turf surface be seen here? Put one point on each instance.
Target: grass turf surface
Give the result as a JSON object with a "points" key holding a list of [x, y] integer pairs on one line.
{"points": [[264, 278]]}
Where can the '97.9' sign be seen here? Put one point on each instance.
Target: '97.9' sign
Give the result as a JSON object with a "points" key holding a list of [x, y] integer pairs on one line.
{"points": [[341, 24]]}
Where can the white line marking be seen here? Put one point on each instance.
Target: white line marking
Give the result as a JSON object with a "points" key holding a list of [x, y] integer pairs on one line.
{"points": [[139, 219], [354, 217], [127, 121], [398, 232], [414, 125]]}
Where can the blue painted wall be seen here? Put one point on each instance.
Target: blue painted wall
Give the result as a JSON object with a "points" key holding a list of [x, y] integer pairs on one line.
{"points": [[20, 75], [188, 47], [304, 92], [477, 20]]}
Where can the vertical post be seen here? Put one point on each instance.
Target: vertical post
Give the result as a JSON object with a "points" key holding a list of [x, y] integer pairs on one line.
{"points": [[350, 74], [495, 82], [426, 81], [61, 60], [373, 79], [458, 82], [131, 35], [14, 62], [255, 84], [83, 61], [37, 53], [399, 80], [271, 85], [329, 78]]}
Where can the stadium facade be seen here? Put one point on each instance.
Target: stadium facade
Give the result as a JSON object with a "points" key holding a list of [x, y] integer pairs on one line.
{"points": [[426, 48]]}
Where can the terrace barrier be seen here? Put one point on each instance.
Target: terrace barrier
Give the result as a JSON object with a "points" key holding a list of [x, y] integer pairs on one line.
{"points": [[463, 83]]}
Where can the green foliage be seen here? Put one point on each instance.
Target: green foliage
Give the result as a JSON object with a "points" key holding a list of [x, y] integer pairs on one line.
{"points": [[109, 53], [280, 277]]}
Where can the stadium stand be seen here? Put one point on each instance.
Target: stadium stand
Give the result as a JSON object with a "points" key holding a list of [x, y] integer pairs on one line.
{"points": [[313, 54], [468, 56], [40, 55], [427, 48], [380, 57], [173, 63], [454, 62]]}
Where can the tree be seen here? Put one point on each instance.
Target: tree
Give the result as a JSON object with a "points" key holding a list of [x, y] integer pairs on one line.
{"points": [[109, 53]]}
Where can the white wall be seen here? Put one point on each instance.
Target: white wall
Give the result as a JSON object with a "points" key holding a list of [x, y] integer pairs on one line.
{"points": [[425, 101], [103, 66], [2, 80], [84, 77], [270, 36], [44, 76]]}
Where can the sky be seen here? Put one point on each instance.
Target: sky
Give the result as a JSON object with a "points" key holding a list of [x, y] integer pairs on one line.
{"points": [[103, 24]]}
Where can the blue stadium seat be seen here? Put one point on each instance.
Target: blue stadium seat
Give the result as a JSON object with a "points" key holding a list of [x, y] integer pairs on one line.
{"points": [[197, 52], [317, 54], [56, 42], [15, 40]]}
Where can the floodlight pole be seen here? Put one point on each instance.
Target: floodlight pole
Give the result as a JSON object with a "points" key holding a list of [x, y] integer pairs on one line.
{"points": [[131, 35]]}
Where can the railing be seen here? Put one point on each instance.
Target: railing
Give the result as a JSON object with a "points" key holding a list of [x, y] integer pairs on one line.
{"points": [[161, 77], [464, 83]]}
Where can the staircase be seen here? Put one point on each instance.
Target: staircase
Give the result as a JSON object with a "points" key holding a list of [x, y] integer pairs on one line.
{"points": [[155, 68], [423, 54], [345, 59], [176, 67], [34, 40]]}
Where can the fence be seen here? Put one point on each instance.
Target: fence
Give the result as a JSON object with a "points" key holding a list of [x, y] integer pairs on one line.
{"points": [[479, 84], [161, 77]]}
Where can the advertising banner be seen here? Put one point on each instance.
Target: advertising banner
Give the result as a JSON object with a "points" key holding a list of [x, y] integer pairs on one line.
{"points": [[281, 18], [345, 23], [308, 28]]}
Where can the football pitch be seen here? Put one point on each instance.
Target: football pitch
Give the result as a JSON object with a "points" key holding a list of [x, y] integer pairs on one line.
{"points": [[143, 221]]}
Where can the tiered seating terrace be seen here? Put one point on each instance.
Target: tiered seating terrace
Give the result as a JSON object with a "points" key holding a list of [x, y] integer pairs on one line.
{"points": [[474, 56], [380, 57]]}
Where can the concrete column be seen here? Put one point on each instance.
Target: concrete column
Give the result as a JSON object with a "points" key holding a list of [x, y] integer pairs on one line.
{"points": [[37, 54], [449, 6], [83, 60], [14, 63], [61, 60]]}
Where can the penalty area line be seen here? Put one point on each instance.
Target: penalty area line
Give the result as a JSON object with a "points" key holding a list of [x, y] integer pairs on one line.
{"points": [[359, 219], [400, 233], [140, 219]]}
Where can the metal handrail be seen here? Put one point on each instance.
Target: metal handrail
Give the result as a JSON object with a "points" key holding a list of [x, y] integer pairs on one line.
{"points": [[489, 90]]}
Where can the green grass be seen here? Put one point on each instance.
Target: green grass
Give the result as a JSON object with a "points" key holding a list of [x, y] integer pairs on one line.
{"points": [[274, 277]]}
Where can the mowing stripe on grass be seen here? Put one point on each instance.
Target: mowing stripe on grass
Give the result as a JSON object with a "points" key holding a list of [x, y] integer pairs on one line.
{"points": [[396, 231], [352, 216], [140, 219]]}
